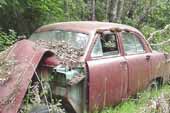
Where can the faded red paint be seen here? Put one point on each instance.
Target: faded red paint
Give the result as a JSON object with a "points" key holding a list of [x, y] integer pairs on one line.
{"points": [[110, 79], [27, 58], [52, 61], [114, 79], [107, 81]]}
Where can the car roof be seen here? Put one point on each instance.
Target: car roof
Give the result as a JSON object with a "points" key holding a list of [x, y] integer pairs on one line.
{"points": [[83, 26]]}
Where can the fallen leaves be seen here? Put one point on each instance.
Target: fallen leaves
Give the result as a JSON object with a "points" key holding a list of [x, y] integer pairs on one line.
{"points": [[157, 105], [7, 66], [63, 51]]}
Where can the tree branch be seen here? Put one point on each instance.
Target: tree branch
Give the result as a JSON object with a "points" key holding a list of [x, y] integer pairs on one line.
{"points": [[158, 31], [161, 43]]}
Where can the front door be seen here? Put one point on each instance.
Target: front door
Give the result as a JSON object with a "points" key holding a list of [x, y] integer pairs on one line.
{"points": [[107, 72]]}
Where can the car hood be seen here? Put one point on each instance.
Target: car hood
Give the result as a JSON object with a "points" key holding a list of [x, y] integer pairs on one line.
{"points": [[19, 64]]}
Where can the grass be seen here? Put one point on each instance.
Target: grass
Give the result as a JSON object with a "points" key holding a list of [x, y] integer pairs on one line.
{"points": [[147, 102]]}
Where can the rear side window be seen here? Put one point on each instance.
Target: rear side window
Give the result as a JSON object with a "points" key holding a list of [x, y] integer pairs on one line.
{"points": [[105, 45], [132, 44]]}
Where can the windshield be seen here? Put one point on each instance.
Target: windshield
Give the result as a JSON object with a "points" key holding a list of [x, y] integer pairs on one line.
{"points": [[75, 39]]}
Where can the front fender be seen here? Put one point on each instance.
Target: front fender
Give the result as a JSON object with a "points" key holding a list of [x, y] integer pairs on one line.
{"points": [[27, 57]]}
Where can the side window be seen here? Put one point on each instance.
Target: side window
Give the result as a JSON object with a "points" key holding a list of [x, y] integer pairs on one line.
{"points": [[97, 50], [132, 44], [106, 45]]}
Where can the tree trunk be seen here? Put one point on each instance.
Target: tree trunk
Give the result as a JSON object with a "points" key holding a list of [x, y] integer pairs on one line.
{"points": [[66, 10], [107, 9], [120, 9], [89, 8], [113, 11], [131, 10], [93, 10]]}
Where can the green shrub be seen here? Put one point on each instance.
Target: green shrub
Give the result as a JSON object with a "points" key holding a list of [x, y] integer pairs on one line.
{"points": [[7, 39]]}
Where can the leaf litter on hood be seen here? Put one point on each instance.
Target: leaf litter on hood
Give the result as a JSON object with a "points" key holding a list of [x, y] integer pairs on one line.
{"points": [[64, 51]]}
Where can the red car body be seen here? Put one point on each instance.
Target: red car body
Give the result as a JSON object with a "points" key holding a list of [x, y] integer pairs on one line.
{"points": [[109, 78]]}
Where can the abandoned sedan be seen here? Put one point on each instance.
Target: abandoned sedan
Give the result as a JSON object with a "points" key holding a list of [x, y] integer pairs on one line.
{"points": [[86, 65]]}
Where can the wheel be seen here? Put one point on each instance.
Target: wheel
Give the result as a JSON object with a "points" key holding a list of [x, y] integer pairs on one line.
{"points": [[154, 85]]}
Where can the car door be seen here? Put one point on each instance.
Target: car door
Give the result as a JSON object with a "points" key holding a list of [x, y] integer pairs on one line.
{"points": [[138, 60], [107, 72]]}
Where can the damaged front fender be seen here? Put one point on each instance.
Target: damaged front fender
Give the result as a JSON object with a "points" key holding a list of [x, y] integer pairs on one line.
{"points": [[14, 86]]}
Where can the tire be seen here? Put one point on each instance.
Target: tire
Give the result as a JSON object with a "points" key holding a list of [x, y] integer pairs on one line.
{"points": [[154, 85]]}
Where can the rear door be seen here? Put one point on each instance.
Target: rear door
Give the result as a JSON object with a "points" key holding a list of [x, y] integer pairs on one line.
{"points": [[138, 60], [107, 72]]}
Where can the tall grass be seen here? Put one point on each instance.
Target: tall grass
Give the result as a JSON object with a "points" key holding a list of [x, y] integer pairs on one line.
{"points": [[155, 101]]}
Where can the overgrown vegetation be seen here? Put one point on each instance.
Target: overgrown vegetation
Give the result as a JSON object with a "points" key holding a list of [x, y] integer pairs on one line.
{"points": [[24, 16], [7, 39], [63, 50], [155, 101], [152, 17], [38, 95]]}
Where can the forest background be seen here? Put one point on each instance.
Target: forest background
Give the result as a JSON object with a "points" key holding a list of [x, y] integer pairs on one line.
{"points": [[22, 17]]}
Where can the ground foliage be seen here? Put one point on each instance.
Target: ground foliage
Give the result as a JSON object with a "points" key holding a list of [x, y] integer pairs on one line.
{"points": [[36, 97], [155, 101]]}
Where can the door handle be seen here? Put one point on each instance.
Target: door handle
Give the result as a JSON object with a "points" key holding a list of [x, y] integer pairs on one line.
{"points": [[123, 65], [148, 57], [123, 62]]}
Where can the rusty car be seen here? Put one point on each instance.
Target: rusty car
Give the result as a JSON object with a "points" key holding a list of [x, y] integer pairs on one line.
{"points": [[88, 65]]}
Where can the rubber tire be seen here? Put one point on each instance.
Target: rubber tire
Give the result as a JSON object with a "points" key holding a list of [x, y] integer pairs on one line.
{"points": [[153, 85]]}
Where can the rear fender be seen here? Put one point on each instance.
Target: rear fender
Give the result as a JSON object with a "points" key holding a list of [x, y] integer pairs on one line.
{"points": [[167, 68]]}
